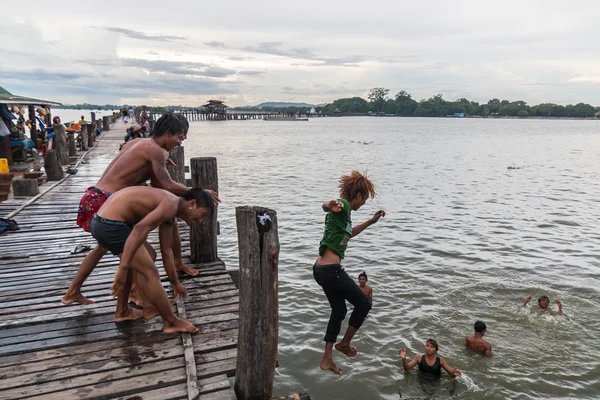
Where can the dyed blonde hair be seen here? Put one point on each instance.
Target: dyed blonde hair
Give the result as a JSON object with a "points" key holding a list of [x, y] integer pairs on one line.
{"points": [[356, 183]]}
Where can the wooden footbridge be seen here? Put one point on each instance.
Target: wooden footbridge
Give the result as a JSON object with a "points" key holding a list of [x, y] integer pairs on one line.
{"points": [[53, 351]]}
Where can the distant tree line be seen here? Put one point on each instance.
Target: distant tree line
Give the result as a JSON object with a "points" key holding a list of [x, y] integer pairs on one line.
{"points": [[403, 104]]}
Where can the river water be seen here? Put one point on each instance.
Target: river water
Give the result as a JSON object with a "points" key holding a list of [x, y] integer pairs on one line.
{"points": [[465, 238]]}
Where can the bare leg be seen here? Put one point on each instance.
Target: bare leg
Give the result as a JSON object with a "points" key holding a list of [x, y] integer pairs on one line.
{"points": [[134, 295], [90, 261], [327, 363], [124, 312], [180, 266], [344, 345], [152, 292]]}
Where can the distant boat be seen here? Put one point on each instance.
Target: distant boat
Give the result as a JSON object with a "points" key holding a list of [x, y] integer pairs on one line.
{"points": [[267, 118]]}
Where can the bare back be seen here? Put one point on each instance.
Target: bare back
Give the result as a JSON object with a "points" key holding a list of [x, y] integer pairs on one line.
{"points": [[132, 204], [133, 166], [478, 345]]}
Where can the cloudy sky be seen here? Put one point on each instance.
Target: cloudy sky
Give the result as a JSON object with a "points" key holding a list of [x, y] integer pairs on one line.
{"points": [[247, 52]]}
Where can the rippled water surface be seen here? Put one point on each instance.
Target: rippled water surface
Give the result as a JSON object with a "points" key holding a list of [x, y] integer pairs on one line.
{"points": [[464, 238]]}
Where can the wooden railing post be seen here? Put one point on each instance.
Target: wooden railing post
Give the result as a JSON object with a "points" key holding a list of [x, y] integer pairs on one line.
{"points": [[90, 134], [258, 243], [203, 234], [177, 171], [60, 144], [72, 144], [54, 170], [106, 123]]}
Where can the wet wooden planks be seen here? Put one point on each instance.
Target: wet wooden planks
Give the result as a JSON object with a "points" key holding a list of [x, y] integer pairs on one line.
{"points": [[49, 350]]}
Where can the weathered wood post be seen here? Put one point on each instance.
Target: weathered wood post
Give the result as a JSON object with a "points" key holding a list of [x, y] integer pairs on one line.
{"points": [[105, 123], [203, 234], [90, 134], [60, 144], [93, 117], [177, 171], [72, 144], [258, 243], [25, 187], [99, 124], [83, 136], [33, 130], [54, 170]]}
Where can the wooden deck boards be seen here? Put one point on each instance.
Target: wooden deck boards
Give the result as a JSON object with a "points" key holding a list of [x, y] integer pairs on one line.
{"points": [[52, 351]]}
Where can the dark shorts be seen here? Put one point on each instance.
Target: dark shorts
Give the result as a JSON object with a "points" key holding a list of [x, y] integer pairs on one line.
{"points": [[110, 234]]}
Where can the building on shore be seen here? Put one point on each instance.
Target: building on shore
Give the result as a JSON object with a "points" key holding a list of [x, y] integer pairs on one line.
{"points": [[215, 106]]}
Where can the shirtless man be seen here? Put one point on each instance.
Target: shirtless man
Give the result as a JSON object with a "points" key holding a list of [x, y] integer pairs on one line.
{"points": [[476, 342], [138, 161], [362, 284], [122, 226], [543, 303]]}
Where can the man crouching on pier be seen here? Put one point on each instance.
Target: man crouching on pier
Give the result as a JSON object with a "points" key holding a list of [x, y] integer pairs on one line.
{"points": [[122, 226], [138, 161]]}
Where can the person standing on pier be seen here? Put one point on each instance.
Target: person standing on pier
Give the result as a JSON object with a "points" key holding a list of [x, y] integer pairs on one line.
{"points": [[355, 189], [138, 161], [122, 226]]}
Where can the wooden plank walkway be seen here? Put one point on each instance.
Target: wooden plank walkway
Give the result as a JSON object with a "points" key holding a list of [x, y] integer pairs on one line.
{"points": [[52, 351]]}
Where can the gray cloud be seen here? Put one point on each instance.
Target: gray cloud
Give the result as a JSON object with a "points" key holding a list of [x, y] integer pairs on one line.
{"points": [[251, 73], [143, 36], [216, 44], [303, 53], [240, 58]]}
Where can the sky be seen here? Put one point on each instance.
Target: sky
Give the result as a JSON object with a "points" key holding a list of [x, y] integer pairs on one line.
{"points": [[248, 52]]}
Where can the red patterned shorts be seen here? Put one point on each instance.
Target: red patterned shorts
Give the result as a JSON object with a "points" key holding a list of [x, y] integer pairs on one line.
{"points": [[89, 205]]}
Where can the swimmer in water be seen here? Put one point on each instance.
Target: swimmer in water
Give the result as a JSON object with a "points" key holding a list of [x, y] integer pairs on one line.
{"points": [[476, 342], [362, 284], [543, 303], [430, 364]]}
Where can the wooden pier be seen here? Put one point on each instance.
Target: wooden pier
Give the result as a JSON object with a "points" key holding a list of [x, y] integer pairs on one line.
{"points": [[53, 351]]}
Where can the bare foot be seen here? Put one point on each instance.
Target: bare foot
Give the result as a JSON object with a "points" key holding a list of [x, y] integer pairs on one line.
{"points": [[186, 269], [75, 298], [349, 351], [128, 314], [329, 365], [149, 312], [180, 325]]}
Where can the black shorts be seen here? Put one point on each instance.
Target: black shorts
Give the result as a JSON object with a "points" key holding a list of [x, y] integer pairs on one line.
{"points": [[110, 234]]}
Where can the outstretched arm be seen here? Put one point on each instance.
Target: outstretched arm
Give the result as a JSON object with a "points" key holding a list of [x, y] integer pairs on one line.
{"points": [[527, 300], [405, 364], [559, 304], [451, 371], [359, 228]]}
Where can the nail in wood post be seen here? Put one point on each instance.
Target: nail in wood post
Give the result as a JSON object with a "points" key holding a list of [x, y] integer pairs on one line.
{"points": [[106, 123], [72, 144], [25, 187], [258, 243], [90, 134], [54, 170], [177, 172], [203, 234], [60, 144]]}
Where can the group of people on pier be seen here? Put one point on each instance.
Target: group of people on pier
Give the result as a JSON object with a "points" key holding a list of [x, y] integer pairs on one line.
{"points": [[120, 213]]}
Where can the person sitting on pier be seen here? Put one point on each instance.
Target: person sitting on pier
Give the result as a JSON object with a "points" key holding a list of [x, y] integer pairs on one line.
{"points": [[355, 189], [139, 160], [122, 226], [430, 364]]}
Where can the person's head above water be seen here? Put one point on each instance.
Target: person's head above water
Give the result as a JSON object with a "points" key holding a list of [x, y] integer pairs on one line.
{"points": [[362, 278], [171, 129], [356, 188], [431, 347], [197, 203], [544, 301], [480, 327]]}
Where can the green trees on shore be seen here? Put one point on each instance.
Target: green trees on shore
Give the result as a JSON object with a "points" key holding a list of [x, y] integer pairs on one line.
{"points": [[404, 105]]}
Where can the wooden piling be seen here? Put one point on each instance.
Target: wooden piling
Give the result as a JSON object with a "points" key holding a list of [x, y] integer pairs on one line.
{"points": [[72, 144], [258, 243], [33, 131], [90, 134], [106, 123], [93, 117], [177, 171], [54, 170], [25, 187], [203, 234], [60, 144]]}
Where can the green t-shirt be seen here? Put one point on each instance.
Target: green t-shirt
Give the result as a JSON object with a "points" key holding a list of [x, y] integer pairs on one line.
{"points": [[338, 231]]}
